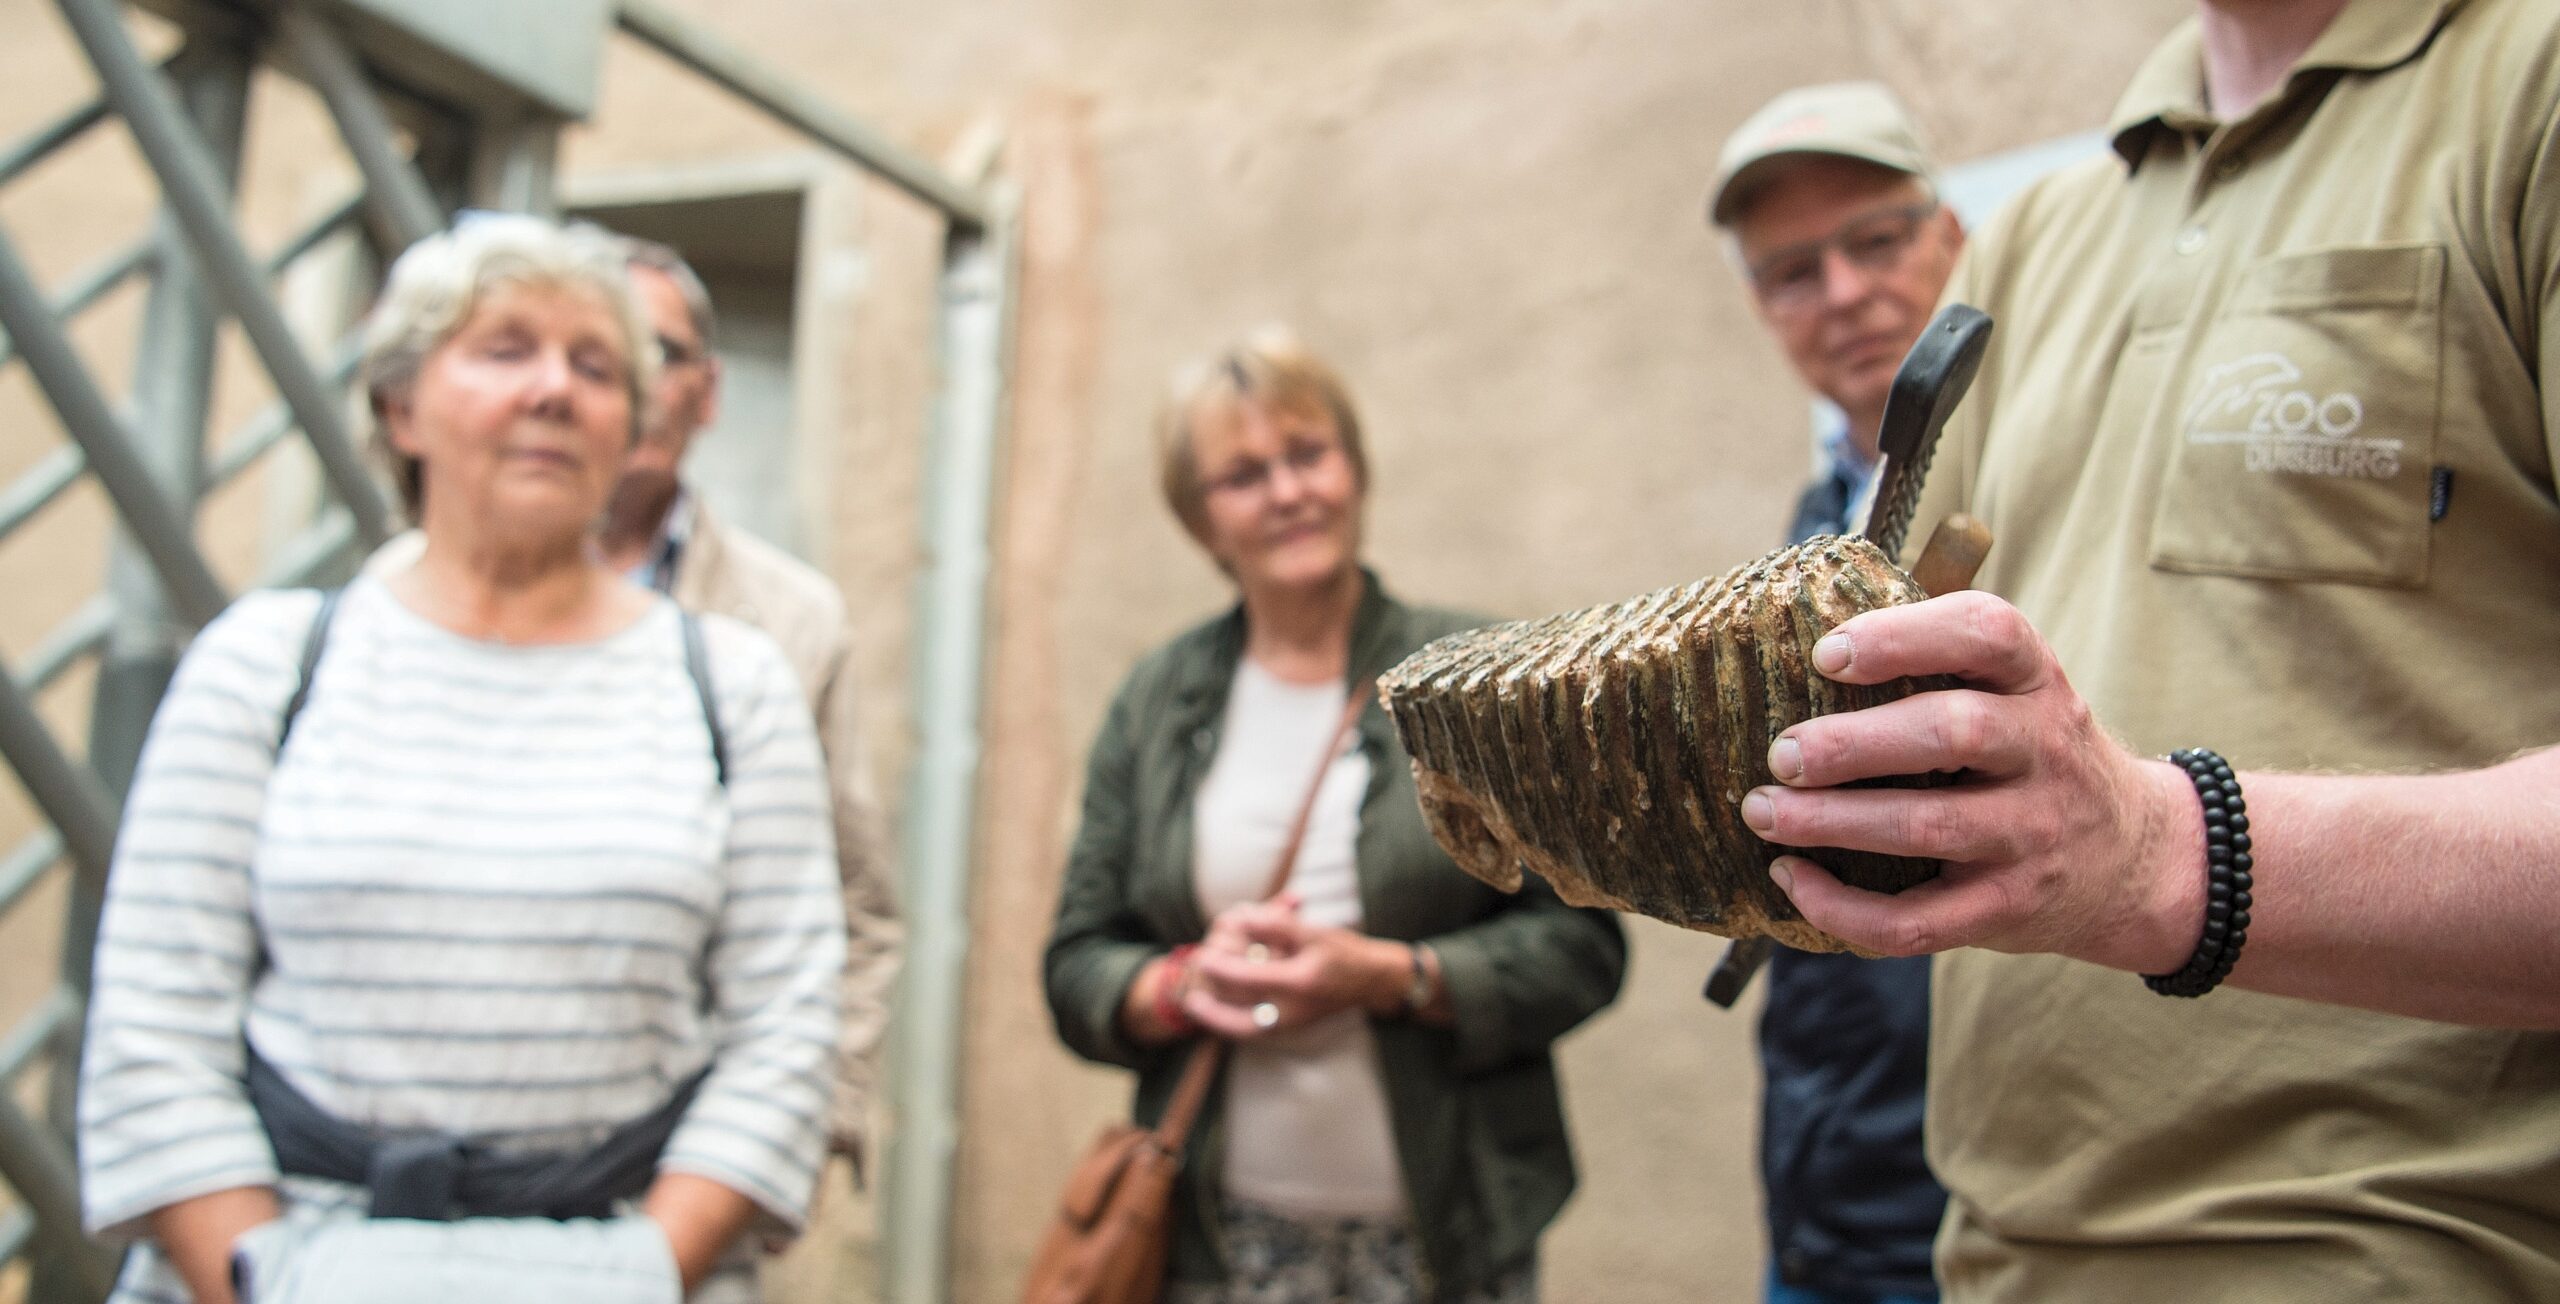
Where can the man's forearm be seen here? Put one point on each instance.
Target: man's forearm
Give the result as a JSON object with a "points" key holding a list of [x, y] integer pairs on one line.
{"points": [[2435, 896]]}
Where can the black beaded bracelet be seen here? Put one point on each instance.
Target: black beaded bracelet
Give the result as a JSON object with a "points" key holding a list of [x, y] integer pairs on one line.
{"points": [[2226, 877]]}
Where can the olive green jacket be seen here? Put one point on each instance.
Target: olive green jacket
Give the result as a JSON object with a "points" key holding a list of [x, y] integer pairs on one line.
{"points": [[1478, 1122]]}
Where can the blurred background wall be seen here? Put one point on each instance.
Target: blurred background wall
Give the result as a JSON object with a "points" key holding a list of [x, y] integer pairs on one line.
{"points": [[1487, 214]]}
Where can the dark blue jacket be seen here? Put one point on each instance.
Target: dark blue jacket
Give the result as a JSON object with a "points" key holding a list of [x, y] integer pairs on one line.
{"points": [[1844, 1049]]}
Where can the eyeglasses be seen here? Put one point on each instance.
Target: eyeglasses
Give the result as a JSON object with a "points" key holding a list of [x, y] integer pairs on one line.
{"points": [[1254, 475], [1792, 279], [674, 353]]}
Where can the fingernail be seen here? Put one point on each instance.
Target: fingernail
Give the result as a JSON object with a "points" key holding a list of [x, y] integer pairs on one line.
{"points": [[1758, 811], [1780, 870], [1831, 655], [1786, 759]]}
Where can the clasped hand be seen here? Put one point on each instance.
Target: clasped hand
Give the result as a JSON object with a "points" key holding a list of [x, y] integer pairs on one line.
{"points": [[2054, 838], [1263, 953]]}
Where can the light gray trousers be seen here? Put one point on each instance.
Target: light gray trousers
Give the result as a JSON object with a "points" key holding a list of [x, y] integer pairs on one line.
{"points": [[473, 1261]]}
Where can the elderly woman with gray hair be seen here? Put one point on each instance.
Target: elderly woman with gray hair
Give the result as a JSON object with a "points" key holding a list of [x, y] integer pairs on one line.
{"points": [[473, 932]]}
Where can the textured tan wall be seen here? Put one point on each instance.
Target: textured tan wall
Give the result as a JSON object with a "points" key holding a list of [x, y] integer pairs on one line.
{"points": [[1488, 213]]}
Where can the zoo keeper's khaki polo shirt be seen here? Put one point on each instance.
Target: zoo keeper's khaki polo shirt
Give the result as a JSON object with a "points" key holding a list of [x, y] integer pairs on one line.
{"points": [[2266, 442]]}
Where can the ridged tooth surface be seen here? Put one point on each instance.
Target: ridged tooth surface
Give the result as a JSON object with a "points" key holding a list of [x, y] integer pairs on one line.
{"points": [[1680, 741], [1546, 735], [1608, 749], [1624, 701]]}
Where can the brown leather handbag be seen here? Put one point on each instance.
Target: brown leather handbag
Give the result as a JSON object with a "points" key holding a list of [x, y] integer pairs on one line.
{"points": [[1114, 1226]]}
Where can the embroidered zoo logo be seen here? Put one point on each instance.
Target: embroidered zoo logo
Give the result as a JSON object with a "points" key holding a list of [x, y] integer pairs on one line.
{"points": [[2284, 427]]}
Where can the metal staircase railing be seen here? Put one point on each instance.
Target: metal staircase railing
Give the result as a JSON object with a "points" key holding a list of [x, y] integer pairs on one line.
{"points": [[156, 461]]}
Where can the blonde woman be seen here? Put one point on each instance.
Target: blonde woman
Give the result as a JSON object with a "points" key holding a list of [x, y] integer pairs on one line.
{"points": [[1389, 1128], [487, 869]]}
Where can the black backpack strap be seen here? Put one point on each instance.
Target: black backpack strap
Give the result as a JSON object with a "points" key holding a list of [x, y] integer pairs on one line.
{"points": [[312, 643], [697, 665]]}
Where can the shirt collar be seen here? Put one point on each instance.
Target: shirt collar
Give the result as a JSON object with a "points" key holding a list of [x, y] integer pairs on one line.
{"points": [[2167, 92], [1376, 628], [1844, 453], [675, 530]]}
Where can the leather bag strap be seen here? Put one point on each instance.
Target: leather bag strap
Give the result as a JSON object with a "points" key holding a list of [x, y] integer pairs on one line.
{"points": [[1173, 1131], [1307, 807]]}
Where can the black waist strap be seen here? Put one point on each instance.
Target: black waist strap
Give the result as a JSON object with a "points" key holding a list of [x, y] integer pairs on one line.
{"points": [[443, 1177]]}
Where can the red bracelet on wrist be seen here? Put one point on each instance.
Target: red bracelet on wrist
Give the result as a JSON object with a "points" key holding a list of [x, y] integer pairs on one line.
{"points": [[1168, 1002]]}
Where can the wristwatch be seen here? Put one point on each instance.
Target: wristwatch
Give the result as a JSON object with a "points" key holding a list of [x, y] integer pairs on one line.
{"points": [[1418, 992]]}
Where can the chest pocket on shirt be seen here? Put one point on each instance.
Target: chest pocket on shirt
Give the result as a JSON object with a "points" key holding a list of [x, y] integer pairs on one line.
{"points": [[2305, 440]]}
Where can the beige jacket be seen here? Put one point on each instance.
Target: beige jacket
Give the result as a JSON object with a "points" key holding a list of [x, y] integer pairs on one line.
{"points": [[746, 579]]}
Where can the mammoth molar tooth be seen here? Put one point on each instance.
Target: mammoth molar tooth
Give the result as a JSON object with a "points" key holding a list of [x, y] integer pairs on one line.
{"points": [[1608, 749]]}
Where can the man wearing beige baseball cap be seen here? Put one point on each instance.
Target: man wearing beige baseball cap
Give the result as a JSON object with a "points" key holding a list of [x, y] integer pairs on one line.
{"points": [[1828, 201], [1832, 209]]}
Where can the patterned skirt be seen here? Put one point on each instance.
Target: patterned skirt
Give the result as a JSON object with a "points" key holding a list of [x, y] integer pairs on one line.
{"points": [[1277, 1258]]}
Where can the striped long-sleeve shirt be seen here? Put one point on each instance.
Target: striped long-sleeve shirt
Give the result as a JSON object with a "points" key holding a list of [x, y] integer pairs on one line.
{"points": [[488, 890]]}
